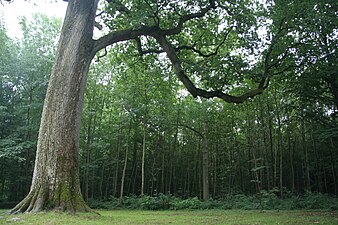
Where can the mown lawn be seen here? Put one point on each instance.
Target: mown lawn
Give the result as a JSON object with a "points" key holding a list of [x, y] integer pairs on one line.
{"points": [[175, 217]]}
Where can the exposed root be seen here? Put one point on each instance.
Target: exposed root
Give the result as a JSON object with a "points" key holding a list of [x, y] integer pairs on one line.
{"points": [[63, 201]]}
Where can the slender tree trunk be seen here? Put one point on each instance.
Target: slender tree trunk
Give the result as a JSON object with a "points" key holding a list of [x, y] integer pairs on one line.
{"points": [[265, 142], [173, 152], [118, 147], [216, 159], [55, 183], [143, 157], [134, 166], [334, 167], [125, 163], [205, 164], [279, 146], [101, 180], [307, 164], [3, 179], [124, 173], [162, 173], [272, 155]]}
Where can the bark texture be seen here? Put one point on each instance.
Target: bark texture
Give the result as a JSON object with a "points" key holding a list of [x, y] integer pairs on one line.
{"points": [[55, 184]]}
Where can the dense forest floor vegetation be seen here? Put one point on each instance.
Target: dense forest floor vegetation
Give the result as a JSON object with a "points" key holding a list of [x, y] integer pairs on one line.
{"points": [[266, 201], [176, 217]]}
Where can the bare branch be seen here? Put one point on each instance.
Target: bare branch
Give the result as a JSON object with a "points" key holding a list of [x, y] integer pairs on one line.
{"points": [[191, 128], [97, 25], [101, 56]]}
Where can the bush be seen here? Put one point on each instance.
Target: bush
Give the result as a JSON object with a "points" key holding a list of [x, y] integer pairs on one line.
{"points": [[155, 203], [265, 201], [190, 203], [113, 203]]}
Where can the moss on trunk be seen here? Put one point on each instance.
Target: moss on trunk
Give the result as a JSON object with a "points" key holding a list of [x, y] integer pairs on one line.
{"points": [[55, 184]]}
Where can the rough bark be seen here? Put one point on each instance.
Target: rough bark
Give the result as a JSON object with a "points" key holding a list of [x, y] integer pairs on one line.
{"points": [[55, 183]]}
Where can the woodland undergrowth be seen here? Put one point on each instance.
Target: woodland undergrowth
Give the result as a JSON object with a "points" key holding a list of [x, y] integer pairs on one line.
{"points": [[264, 201]]}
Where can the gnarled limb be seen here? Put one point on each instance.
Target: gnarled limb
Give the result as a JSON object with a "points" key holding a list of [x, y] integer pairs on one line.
{"points": [[131, 34], [194, 91]]}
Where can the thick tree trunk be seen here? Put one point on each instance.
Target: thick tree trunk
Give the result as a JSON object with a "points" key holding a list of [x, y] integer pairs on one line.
{"points": [[55, 183]]}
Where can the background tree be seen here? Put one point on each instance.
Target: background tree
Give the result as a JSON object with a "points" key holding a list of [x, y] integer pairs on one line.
{"points": [[24, 85]]}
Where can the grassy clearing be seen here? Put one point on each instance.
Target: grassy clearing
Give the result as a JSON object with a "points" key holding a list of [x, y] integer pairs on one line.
{"points": [[175, 217]]}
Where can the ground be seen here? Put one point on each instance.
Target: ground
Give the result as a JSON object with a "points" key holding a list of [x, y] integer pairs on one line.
{"points": [[176, 217]]}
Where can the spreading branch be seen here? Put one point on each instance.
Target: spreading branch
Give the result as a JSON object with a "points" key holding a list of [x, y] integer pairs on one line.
{"points": [[161, 37], [194, 91], [123, 35], [131, 34], [182, 47]]}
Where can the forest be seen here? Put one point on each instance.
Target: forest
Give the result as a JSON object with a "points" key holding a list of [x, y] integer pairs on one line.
{"points": [[144, 134]]}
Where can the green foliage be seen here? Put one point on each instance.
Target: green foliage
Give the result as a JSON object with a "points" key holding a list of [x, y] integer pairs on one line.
{"points": [[190, 203], [268, 201], [175, 217], [25, 66]]}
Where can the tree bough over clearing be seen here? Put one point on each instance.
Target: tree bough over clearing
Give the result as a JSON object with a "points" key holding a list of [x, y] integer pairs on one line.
{"points": [[201, 39]]}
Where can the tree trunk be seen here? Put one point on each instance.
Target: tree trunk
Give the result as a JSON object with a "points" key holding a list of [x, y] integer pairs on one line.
{"points": [[124, 172], [333, 167], [205, 164], [271, 140], [125, 164], [118, 146], [307, 163], [86, 173], [143, 157], [55, 183]]}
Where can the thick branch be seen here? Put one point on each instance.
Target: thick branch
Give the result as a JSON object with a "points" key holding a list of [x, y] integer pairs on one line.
{"points": [[131, 34], [123, 35], [194, 91], [182, 47]]}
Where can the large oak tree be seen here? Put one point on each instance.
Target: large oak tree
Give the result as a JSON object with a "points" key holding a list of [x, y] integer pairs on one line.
{"points": [[209, 29]]}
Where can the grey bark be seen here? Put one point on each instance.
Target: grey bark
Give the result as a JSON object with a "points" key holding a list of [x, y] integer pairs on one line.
{"points": [[55, 183]]}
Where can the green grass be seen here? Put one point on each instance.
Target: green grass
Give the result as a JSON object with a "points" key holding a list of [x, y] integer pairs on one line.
{"points": [[176, 217]]}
